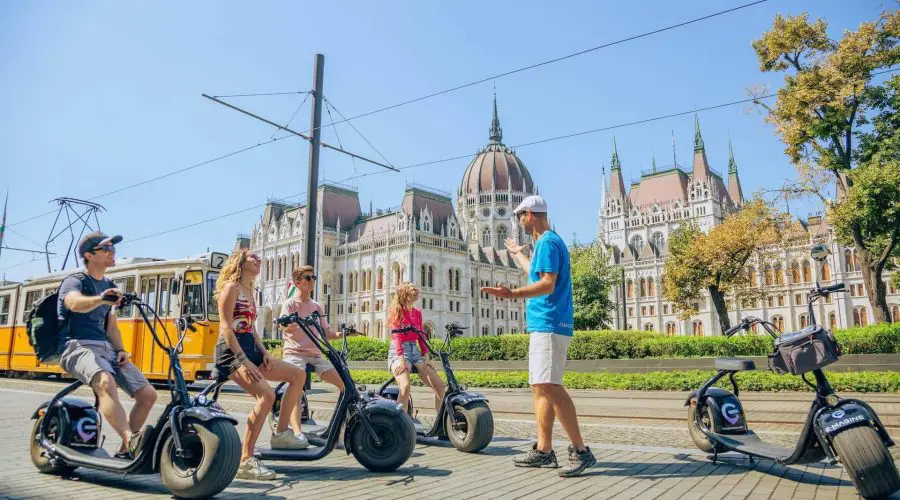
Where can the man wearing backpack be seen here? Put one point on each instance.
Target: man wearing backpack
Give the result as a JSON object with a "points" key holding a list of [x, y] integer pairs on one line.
{"points": [[93, 351]]}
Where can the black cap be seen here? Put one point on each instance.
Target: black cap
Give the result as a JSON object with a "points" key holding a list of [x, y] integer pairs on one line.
{"points": [[93, 240]]}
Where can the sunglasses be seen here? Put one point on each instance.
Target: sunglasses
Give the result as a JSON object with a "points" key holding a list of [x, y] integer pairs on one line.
{"points": [[254, 258], [310, 277], [106, 248]]}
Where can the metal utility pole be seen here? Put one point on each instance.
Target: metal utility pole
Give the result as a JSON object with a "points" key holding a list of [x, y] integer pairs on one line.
{"points": [[315, 143]]}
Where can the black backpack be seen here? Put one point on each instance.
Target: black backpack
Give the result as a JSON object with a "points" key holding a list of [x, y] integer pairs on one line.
{"points": [[43, 327]]}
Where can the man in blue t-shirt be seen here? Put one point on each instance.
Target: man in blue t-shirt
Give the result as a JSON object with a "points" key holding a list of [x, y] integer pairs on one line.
{"points": [[549, 319]]}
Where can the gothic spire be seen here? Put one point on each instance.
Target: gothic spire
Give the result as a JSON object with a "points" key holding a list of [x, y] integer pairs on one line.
{"points": [[615, 165], [496, 132], [732, 165], [698, 139]]}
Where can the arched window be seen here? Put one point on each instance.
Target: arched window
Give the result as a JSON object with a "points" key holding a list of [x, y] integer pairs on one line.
{"points": [[751, 275], [450, 283], [697, 328], [856, 317], [423, 275], [651, 287], [457, 280], [795, 272], [380, 278], [863, 316], [770, 275], [499, 330], [648, 327], [778, 321], [848, 260], [643, 287], [807, 272], [826, 271], [779, 275], [832, 321], [658, 241], [501, 235], [670, 328], [804, 320], [430, 276], [629, 289], [340, 284], [397, 274], [379, 329], [637, 244], [484, 330], [856, 266], [486, 237], [895, 314]]}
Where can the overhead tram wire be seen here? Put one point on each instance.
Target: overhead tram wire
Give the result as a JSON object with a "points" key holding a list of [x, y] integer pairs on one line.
{"points": [[297, 92], [348, 122], [336, 134], [291, 119], [596, 130], [554, 60], [169, 174], [205, 221], [584, 132]]}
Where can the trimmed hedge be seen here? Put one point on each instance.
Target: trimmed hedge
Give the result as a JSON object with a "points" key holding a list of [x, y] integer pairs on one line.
{"points": [[614, 344], [665, 381]]}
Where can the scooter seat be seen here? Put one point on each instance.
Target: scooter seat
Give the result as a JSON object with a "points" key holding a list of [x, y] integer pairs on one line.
{"points": [[734, 364]]}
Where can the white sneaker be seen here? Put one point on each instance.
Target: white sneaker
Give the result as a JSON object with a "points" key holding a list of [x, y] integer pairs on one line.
{"points": [[287, 440], [254, 470]]}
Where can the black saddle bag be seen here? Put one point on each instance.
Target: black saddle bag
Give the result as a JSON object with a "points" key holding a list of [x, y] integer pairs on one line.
{"points": [[809, 349]]}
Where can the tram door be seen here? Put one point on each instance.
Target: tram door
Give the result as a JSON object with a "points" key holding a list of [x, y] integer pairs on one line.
{"points": [[156, 292]]}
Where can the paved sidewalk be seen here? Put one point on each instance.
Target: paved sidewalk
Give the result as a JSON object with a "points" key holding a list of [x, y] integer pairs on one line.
{"points": [[660, 470]]}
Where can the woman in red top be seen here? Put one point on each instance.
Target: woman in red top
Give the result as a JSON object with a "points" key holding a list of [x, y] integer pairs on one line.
{"points": [[407, 348]]}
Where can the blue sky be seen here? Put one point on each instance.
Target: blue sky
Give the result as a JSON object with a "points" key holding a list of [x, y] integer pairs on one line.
{"points": [[98, 95]]}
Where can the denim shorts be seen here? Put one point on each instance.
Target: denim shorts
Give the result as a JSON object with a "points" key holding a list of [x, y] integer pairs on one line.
{"points": [[411, 354]]}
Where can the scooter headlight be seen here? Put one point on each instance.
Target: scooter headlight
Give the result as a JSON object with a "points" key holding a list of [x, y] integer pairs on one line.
{"points": [[832, 399]]}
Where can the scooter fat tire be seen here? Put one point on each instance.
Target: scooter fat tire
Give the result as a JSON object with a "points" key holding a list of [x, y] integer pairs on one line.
{"points": [[217, 454]]}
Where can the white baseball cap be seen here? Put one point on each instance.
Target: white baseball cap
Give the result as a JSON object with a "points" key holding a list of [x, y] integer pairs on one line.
{"points": [[533, 203]]}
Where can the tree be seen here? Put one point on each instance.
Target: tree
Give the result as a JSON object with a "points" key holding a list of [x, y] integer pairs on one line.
{"points": [[716, 262], [834, 120], [593, 278]]}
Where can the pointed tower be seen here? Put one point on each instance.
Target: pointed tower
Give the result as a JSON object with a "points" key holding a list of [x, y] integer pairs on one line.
{"points": [[616, 183], [701, 166], [734, 182], [496, 133]]}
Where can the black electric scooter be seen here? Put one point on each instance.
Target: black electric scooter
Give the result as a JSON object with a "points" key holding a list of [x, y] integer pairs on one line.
{"points": [[463, 417], [195, 449], [378, 433], [839, 430]]}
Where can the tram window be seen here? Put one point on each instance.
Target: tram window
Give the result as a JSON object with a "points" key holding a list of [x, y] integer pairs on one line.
{"points": [[211, 306], [126, 285], [193, 294], [4, 309], [30, 298], [164, 294], [150, 293]]}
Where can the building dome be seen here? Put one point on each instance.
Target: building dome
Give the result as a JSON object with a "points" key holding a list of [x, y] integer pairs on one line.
{"points": [[496, 167]]}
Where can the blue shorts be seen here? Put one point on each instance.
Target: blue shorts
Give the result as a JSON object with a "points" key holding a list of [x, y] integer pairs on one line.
{"points": [[411, 354]]}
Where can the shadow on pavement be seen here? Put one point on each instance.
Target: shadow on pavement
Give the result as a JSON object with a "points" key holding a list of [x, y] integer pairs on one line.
{"points": [[296, 476]]}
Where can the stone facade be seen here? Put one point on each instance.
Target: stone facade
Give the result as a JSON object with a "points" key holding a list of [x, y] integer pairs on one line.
{"points": [[635, 225], [448, 252]]}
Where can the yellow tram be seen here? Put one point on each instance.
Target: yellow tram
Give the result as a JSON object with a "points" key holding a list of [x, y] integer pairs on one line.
{"points": [[171, 287]]}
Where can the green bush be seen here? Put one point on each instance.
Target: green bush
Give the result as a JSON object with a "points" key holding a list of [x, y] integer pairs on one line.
{"points": [[664, 381], [615, 344]]}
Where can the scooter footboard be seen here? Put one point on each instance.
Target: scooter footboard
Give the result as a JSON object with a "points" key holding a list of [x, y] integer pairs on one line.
{"points": [[724, 409], [847, 414]]}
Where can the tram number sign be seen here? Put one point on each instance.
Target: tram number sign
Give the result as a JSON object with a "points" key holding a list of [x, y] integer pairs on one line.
{"points": [[217, 260]]}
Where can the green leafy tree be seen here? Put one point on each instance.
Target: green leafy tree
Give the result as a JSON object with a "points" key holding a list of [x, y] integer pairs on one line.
{"points": [[716, 262], [839, 125], [593, 279]]}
